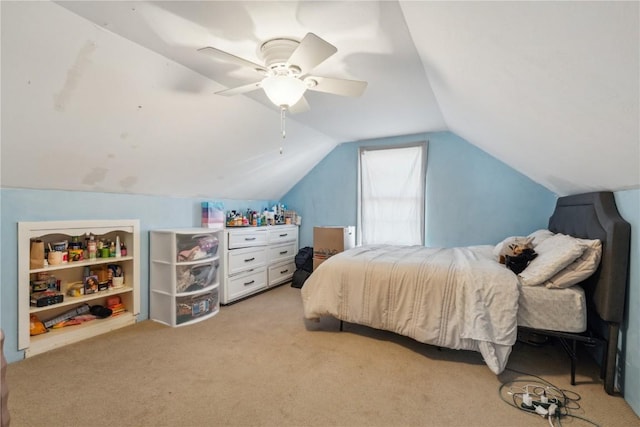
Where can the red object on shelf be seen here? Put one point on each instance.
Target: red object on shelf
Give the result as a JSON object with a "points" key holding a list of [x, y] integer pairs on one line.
{"points": [[114, 300]]}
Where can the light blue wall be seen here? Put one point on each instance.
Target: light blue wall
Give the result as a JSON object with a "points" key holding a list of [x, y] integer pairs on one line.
{"points": [[498, 202], [471, 197], [37, 205], [628, 203]]}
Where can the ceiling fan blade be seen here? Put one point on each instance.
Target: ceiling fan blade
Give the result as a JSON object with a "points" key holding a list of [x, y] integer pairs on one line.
{"points": [[343, 87], [240, 89], [226, 56], [301, 106], [311, 51]]}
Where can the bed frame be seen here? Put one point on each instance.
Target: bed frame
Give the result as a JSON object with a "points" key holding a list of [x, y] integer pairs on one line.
{"points": [[595, 216]]}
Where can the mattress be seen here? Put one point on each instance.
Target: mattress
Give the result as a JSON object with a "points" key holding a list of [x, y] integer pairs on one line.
{"points": [[563, 310]]}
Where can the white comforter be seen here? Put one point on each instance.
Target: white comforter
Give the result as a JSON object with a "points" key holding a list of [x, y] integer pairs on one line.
{"points": [[458, 298]]}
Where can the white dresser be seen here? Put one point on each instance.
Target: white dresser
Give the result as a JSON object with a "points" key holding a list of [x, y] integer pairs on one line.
{"points": [[256, 258]]}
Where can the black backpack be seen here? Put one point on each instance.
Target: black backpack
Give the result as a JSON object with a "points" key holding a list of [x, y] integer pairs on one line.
{"points": [[304, 259], [299, 277], [304, 266]]}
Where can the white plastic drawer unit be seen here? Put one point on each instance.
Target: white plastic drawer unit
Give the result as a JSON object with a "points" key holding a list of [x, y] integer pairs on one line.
{"points": [[184, 275], [247, 238], [245, 259], [247, 283], [284, 234], [282, 252]]}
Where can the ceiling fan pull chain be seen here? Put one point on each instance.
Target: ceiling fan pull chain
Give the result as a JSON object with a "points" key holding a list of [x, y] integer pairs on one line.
{"points": [[282, 126], [282, 122]]}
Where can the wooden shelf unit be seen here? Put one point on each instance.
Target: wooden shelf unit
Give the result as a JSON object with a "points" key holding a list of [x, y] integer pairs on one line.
{"points": [[50, 231]]}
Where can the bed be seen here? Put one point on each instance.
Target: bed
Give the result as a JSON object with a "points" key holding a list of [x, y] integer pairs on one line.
{"points": [[463, 298]]}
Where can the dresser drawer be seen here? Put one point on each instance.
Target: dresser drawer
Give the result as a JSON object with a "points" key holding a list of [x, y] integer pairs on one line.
{"points": [[283, 234], [247, 238], [282, 252], [281, 272], [245, 259], [246, 284]]}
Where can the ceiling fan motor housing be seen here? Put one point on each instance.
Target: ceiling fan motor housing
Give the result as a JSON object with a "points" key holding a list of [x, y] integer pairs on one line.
{"points": [[275, 54]]}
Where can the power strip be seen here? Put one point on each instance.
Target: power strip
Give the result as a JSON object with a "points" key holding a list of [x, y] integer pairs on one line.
{"points": [[544, 406]]}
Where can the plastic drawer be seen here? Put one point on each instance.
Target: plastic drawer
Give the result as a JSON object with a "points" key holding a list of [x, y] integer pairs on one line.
{"points": [[182, 246], [193, 307], [191, 247], [188, 277], [195, 277]]}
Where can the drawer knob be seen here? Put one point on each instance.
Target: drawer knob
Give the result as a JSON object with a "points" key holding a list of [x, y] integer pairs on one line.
{"points": [[249, 238], [284, 271], [250, 283], [283, 252], [250, 259], [284, 235]]}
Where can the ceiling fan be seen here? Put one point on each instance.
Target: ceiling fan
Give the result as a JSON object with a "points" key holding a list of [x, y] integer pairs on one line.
{"points": [[285, 73]]}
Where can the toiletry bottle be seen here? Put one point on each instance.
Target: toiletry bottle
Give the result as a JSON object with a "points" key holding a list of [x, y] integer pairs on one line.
{"points": [[92, 247], [117, 248]]}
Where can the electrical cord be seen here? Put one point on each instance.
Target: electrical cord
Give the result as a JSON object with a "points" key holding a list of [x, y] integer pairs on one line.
{"points": [[541, 398]]}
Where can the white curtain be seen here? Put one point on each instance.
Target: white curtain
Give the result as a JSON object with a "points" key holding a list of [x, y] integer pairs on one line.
{"points": [[392, 195]]}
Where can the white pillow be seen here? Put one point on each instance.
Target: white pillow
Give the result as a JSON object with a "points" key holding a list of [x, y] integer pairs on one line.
{"points": [[540, 236], [581, 268], [554, 254]]}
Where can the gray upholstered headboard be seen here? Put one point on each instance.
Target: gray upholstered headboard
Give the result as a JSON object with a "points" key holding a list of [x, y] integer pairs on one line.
{"points": [[595, 216]]}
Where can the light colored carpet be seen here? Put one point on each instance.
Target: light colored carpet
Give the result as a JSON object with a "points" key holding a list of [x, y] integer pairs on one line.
{"points": [[259, 363]]}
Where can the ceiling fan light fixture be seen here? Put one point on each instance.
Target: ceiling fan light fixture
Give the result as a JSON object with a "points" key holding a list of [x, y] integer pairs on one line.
{"points": [[283, 91]]}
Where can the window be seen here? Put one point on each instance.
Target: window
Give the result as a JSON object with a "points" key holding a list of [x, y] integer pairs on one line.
{"points": [[391, 194]]}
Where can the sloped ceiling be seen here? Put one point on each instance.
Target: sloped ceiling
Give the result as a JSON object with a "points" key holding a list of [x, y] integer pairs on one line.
{"points": [[113, 96], [550, 88]]}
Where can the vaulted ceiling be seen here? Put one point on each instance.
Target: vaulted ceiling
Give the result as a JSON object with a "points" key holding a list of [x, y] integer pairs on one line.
{"points": [[114, 96]]}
